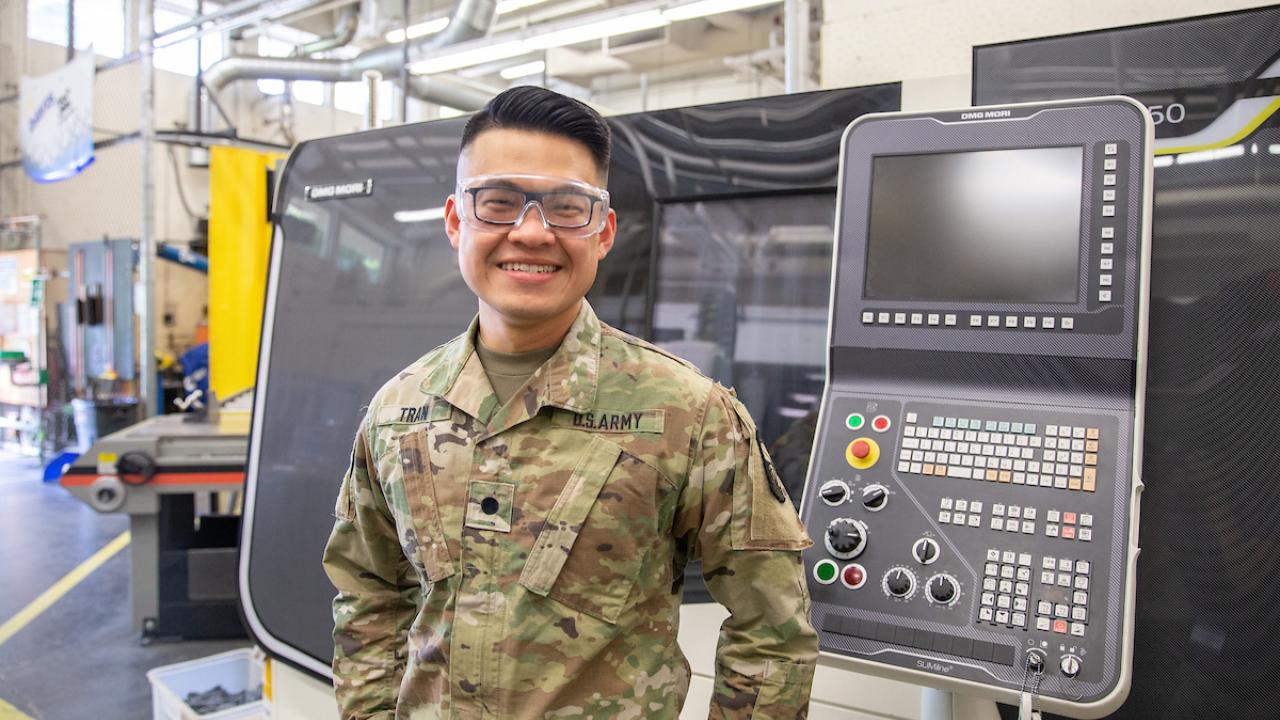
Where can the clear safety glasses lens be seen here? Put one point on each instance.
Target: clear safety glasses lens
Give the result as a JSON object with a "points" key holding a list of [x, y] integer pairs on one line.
{"points": [[571, 209]]}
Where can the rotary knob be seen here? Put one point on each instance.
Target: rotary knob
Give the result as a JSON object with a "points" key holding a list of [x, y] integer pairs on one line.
{"points": [[925, 551], [1070, 665], [899, 582], [943, 590], [834, 492], [846, 538], [875, 497]]}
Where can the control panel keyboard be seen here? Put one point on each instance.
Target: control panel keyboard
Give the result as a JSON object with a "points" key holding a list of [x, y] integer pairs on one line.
{"points": [[1064, 457], [973, 532]]}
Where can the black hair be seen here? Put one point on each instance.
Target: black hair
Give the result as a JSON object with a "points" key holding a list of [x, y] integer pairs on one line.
{"points": [[533, 108]]}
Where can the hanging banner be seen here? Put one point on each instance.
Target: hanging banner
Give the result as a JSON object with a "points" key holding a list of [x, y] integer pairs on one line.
{"points": [[57, 121]]}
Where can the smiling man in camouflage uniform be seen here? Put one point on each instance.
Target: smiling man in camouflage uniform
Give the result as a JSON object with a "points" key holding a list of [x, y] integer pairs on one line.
{"points": [[522, 501]]}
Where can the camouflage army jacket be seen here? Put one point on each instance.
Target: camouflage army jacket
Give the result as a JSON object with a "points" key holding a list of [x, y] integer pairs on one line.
{"points": [[524, 561]]}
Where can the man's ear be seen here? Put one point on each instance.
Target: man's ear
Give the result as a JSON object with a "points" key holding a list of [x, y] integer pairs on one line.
{"points": [[452, 221], [605, 242]]}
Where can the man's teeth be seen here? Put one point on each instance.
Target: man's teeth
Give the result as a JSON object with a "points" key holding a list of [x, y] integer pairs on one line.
{"points": [[524, 267]]}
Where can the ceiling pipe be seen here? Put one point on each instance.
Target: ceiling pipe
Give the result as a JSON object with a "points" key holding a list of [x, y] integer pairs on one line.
{"points": [[796, 29], [344, 30], [470, 20]]}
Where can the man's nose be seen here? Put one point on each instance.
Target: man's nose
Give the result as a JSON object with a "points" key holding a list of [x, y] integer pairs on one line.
{"points": [[531, 226]]}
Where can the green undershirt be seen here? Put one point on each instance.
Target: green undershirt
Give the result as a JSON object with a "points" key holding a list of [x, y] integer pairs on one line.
{"points": [[508, 372]]}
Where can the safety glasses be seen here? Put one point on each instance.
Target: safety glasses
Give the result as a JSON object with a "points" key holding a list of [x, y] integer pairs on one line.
{"points": [[498, 203]]}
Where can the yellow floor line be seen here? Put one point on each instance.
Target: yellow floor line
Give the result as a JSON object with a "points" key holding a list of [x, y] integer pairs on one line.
{"points": [[9, 712], [60, 588]]}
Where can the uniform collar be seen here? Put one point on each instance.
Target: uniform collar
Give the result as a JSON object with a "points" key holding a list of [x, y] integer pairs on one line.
{"points": [[567, 380]]}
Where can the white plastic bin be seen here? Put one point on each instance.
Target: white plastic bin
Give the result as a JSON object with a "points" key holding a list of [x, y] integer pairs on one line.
{"points": [[235, 671]]}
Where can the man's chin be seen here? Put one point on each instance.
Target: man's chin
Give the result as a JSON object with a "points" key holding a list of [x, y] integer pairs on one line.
{"points": [[529, 312]]}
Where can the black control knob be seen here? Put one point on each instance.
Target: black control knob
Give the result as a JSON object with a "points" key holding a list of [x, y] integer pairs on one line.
{"points": [[943, 590], [899, 582], [875, 497], [834, 492], [846, 538], [925, 550], [1070, 665]]}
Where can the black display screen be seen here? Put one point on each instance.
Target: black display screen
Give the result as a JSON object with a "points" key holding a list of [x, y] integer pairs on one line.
{"points": [[994, 226]]}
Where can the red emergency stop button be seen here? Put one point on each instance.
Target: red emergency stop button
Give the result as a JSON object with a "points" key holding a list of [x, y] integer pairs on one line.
{"points": [[853, 576], [880, 423], [862, 453]]}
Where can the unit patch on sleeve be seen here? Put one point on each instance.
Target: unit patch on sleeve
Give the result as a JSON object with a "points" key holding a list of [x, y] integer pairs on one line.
{"points": [[612, 421]]}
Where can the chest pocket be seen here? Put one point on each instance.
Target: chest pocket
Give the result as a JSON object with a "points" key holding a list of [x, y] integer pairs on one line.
{"points": [[593, 545], [424, 512]]}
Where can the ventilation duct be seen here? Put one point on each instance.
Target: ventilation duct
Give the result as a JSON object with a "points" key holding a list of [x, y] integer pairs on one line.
{"points": [[470, 20], [343, 32]]}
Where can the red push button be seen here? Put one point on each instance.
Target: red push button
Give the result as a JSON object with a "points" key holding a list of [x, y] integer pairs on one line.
{"points": [[1060, 627], [880, 423], [1068, 532], [853, 576], [1069, 518], [862, 453]]}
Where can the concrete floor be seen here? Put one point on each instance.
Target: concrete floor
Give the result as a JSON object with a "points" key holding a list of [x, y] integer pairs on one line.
{"points": [[80, 658]]}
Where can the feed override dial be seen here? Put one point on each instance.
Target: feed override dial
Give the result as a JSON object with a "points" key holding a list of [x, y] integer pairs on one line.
{"points": [[942, 590], [846, 538], [899, 582]]}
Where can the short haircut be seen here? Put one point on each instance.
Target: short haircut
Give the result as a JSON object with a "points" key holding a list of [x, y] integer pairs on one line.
{"points": [[540, 110]]}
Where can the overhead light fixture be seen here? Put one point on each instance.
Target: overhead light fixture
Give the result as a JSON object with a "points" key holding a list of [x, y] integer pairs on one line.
{"points": [[608, 24], [1189, 158], [556, 38], [423, 215], [703, 8], [467, 58], [510, 6], [524, 70], [600, 29], [417, 30]]}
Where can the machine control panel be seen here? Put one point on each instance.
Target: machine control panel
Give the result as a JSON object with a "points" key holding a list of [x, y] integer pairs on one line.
{"points": [[973, 489]]}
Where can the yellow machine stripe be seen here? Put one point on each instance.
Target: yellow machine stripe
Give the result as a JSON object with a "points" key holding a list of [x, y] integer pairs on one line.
{"points": [[9, 712], [1252, 125], [60, 588]]}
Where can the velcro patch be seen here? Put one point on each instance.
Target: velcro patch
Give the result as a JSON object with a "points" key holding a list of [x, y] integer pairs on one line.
{"points": [[612, 421], [414, 414], [489, 505]]}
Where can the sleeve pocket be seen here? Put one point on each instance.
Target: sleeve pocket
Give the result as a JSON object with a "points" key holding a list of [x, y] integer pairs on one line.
{"points": [[763, 516]]}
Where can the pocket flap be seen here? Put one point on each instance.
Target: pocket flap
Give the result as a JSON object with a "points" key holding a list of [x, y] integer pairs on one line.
{"points": [[567, 516], [420, 491]]}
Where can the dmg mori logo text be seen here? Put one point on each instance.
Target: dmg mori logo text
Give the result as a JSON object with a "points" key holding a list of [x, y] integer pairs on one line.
{"points": [[986, 115], [935, 667]]}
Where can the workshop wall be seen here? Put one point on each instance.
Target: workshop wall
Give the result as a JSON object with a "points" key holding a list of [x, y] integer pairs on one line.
{"points": [[929, 45]]}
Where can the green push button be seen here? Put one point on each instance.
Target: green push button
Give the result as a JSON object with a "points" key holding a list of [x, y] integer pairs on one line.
{"points": [[855, 421], [825, 572]]}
